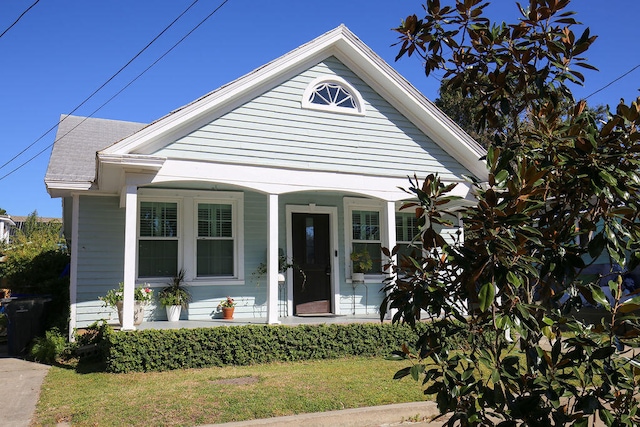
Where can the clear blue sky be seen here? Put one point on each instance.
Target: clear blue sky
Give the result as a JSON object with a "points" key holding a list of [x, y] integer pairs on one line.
{"points": [[61, 51]]}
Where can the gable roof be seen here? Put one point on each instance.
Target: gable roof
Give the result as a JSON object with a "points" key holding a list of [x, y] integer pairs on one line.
{"points": [[72, 161], [87, 150], [346, 47]]}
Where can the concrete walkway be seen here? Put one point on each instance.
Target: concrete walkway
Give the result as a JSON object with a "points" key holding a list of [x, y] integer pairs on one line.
{"points": [[20, 383], [402, 414]]}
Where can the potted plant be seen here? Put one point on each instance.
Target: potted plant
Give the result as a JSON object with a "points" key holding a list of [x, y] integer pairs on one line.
{"points": [[227, 306], [283, 265], [175, 296], [361, 264], [141, 295]]}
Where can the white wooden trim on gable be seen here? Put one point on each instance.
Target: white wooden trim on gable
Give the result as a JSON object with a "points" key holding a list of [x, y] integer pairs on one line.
{"points": [[346, 47]]}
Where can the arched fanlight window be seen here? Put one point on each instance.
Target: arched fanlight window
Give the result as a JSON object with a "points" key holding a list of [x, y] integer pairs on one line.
{"points": [[333, 94]]}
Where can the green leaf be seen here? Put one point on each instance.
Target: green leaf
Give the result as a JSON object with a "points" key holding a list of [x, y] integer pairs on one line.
{"points": [[603, 353], [486, 296], [513, 279], [416, 370], [614, 287], [433, 388], [467, 374], [495, 376], [605, 416], [501, 176], [630, 305], [596, 245], [599, 297], [402, 373]]}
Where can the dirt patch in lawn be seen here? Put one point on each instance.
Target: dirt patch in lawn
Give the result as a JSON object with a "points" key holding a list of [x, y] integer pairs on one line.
{"points": [[237, 381]]}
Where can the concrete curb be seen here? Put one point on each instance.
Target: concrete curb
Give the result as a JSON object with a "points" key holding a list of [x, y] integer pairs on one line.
{"points": [[417, 413]]}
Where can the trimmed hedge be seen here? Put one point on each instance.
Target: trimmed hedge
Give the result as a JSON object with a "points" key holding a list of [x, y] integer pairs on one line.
{"points": [[161, 350]]}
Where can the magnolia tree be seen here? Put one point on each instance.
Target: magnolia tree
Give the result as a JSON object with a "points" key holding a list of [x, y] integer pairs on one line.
{"points": [[563, 191]]}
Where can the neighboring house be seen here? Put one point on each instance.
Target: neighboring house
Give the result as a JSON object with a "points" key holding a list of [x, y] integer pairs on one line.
{"points": [[20, 222], [10, 224], [303, 157], [6, 226]]}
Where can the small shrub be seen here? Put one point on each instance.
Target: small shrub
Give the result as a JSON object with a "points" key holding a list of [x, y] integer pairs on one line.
{"points": [[48, 348]]}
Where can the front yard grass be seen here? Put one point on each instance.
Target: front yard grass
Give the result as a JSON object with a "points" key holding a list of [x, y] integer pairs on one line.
{"points": [[216, 395]]}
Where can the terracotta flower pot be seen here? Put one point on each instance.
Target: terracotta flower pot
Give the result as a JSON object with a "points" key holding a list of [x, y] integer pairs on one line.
{"points": [[227, 312]]}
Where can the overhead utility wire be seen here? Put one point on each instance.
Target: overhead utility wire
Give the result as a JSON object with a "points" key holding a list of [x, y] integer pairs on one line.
{"points": [[612, 82], [120, 91], [19, 18], [101, 86]]}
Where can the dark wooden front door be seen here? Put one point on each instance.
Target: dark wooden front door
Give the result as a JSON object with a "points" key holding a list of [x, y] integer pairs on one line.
{"points": [[312, 253]]}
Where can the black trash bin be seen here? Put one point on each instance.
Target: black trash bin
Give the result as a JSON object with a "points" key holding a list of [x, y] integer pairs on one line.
{"points": [[25, 317]]}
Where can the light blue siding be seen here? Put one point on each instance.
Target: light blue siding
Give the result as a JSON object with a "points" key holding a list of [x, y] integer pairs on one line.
{"points": [[274, 130], [100, 256]]}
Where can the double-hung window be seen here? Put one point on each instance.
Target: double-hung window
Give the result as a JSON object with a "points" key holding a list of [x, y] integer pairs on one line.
{"points": [[365, 236], [406, 230], [200, 232], [158, 240], [215, 249]]}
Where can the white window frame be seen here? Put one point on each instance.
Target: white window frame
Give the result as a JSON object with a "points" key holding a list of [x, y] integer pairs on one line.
{"points": [[358, 204], [447, 232], [188, 201], [359, 110], [235, 200], [403, 212], [178, 238]]}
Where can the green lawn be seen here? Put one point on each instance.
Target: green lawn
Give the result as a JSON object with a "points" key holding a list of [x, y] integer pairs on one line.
{"points": [[216, 395]]}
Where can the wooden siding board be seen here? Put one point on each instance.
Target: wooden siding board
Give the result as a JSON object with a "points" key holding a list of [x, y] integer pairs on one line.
{"points": [[100, 257], [269, 142], [318, 153], [273, 130], [330, 130]]}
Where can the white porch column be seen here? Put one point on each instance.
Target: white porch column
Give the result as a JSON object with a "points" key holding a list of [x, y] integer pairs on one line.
{"points": [[272, 259], [73, 267], [130, 255], [391, 241]]}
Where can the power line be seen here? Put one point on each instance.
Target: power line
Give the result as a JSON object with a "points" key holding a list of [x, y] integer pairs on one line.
{"points": [[101, 86], [612, 82], [119, 92], [19, 18]]}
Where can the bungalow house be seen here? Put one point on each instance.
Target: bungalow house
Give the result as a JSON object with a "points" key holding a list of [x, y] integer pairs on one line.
{"points": [[301, 158]]}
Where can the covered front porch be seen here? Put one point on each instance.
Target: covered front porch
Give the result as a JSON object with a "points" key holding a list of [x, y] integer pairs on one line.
{"points": [[266, 224]]}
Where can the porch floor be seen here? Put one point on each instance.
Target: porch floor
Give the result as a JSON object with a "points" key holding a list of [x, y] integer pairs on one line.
{"points": [[289, 321]]}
